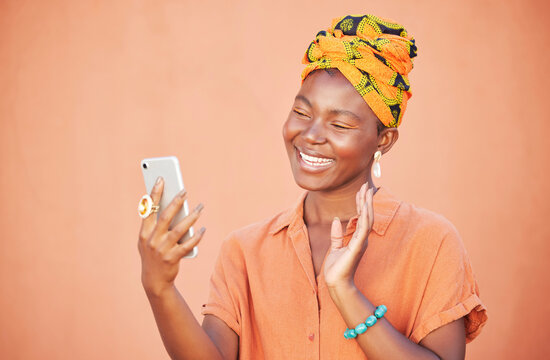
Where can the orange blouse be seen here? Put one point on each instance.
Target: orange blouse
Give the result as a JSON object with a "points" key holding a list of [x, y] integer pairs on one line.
{"points": [[264, 286]]}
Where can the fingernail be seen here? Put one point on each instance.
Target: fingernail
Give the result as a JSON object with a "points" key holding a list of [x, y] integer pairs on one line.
{"points": [[199, 207], [336, 218], [202, 230], [159, 179], [182, 193]]}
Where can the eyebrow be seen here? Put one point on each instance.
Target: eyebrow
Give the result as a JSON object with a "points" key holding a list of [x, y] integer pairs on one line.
{"points": [[332, 111]]}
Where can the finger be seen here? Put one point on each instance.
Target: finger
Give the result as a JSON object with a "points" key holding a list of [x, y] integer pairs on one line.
{"points": [[181, 250], [357, 202], [364, 224], [156, 192], [360, 235], [182, 227], [370, 209], [166, 216], [358, 199], [148, 224], [336, 234], [364, 189]]}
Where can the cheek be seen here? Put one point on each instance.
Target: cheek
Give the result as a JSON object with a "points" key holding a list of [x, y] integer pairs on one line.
{"points": [[290, 130], [357, 149]]}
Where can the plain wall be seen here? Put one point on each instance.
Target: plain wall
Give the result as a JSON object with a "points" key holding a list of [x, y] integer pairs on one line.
{"points": [[88, 88]]}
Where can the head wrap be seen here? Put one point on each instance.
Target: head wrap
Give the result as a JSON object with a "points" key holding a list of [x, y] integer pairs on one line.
{"points": [[374, 54]]}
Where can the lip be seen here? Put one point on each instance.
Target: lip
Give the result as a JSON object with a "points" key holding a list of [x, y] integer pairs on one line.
{"points": [[308, 167], [311, 153]]}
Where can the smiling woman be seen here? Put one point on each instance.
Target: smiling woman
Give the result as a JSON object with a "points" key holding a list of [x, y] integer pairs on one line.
{"points": [[331, 134], [350, 271]]}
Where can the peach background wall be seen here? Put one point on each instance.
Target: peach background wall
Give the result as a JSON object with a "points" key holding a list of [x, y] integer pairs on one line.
{"points": [[88, 88]]}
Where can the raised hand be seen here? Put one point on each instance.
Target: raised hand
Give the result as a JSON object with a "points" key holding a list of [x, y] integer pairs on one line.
{"points": [[158, 245], [341, 261]]}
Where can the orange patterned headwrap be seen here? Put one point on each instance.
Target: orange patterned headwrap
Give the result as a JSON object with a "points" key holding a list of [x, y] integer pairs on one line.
{"points": [[374, 54]]}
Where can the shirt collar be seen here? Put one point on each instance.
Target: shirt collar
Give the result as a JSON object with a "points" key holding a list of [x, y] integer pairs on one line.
{"points": [[384, 202]]}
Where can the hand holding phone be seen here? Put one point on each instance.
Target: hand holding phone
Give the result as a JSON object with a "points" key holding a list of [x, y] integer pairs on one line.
{"points": [[168, 168], [165, 239]]}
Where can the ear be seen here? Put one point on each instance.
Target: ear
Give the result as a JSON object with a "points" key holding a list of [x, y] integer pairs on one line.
{"points": [[387, 138]]}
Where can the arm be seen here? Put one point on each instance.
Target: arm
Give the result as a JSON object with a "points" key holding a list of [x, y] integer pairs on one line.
{"points": [[160, 252], [382, 341], [183, 336]]}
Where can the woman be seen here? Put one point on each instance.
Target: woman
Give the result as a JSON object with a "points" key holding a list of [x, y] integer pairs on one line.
{"points": [[306, 284]]}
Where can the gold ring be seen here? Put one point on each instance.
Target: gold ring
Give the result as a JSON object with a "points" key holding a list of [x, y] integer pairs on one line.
{"points": [[146, 206]]}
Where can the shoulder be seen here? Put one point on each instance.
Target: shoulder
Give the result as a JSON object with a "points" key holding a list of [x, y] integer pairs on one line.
{"points": [[393, 215], [425, 227], [425, 219], [428, 242], [253, 235]]}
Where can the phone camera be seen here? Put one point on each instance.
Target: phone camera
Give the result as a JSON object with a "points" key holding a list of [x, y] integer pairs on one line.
{"points": [[144, 165]]}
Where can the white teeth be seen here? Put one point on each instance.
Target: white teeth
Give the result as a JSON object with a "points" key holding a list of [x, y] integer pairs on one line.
{"points": [[315, 161]]}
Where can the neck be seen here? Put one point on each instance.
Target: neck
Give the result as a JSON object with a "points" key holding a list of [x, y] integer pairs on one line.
{"points": [[321, 207]]}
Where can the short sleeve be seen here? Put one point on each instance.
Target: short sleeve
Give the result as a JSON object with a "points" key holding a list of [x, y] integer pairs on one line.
{"points": [[451, 292], [228, 286]]}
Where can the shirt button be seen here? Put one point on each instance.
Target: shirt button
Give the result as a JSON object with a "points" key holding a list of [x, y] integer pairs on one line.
{"points": [[311, 336]]}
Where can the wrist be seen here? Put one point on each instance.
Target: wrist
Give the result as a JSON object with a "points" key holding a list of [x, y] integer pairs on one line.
{"points": [[342, 289], [342, 281], [156, 291]]}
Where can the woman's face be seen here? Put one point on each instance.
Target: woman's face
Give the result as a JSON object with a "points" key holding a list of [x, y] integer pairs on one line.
{"points": [[330, 134]]}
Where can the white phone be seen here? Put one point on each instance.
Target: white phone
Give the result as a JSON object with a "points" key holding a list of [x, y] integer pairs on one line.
{"points": [[168, 167]]}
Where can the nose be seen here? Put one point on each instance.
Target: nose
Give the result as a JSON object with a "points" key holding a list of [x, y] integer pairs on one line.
{"points": [[314, 133]]}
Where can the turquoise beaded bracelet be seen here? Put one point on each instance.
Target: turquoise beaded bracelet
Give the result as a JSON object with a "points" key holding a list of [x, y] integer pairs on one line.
{"points": [[371, 320]]}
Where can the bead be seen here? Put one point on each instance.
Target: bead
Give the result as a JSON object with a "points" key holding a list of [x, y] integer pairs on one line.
{"points": [[361, 328], [380, 311], [346, 334], [371, 320]]}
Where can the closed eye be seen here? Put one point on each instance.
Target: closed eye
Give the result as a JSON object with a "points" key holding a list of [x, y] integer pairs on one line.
{"points": [[341, 126], [298, 112]]}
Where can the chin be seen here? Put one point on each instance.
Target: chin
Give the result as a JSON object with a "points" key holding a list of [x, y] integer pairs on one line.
{"points": [[326, 182], [313, 183], [310, 185]]}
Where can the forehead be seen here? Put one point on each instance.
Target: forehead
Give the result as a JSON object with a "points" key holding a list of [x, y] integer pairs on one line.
{"points": [[332, 91]]}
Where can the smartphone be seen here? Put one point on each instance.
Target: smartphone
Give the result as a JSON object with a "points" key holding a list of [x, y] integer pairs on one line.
{"points": [[169, 168]]}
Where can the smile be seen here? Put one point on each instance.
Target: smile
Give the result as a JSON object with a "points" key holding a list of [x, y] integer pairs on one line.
{"points": [[315, 161]]}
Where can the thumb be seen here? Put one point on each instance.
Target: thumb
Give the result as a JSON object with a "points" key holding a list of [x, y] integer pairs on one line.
{"points": [[336, 234]]}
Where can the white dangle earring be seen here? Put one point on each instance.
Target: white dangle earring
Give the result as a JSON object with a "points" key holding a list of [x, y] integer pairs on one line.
{"points": [[376, 166]]}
